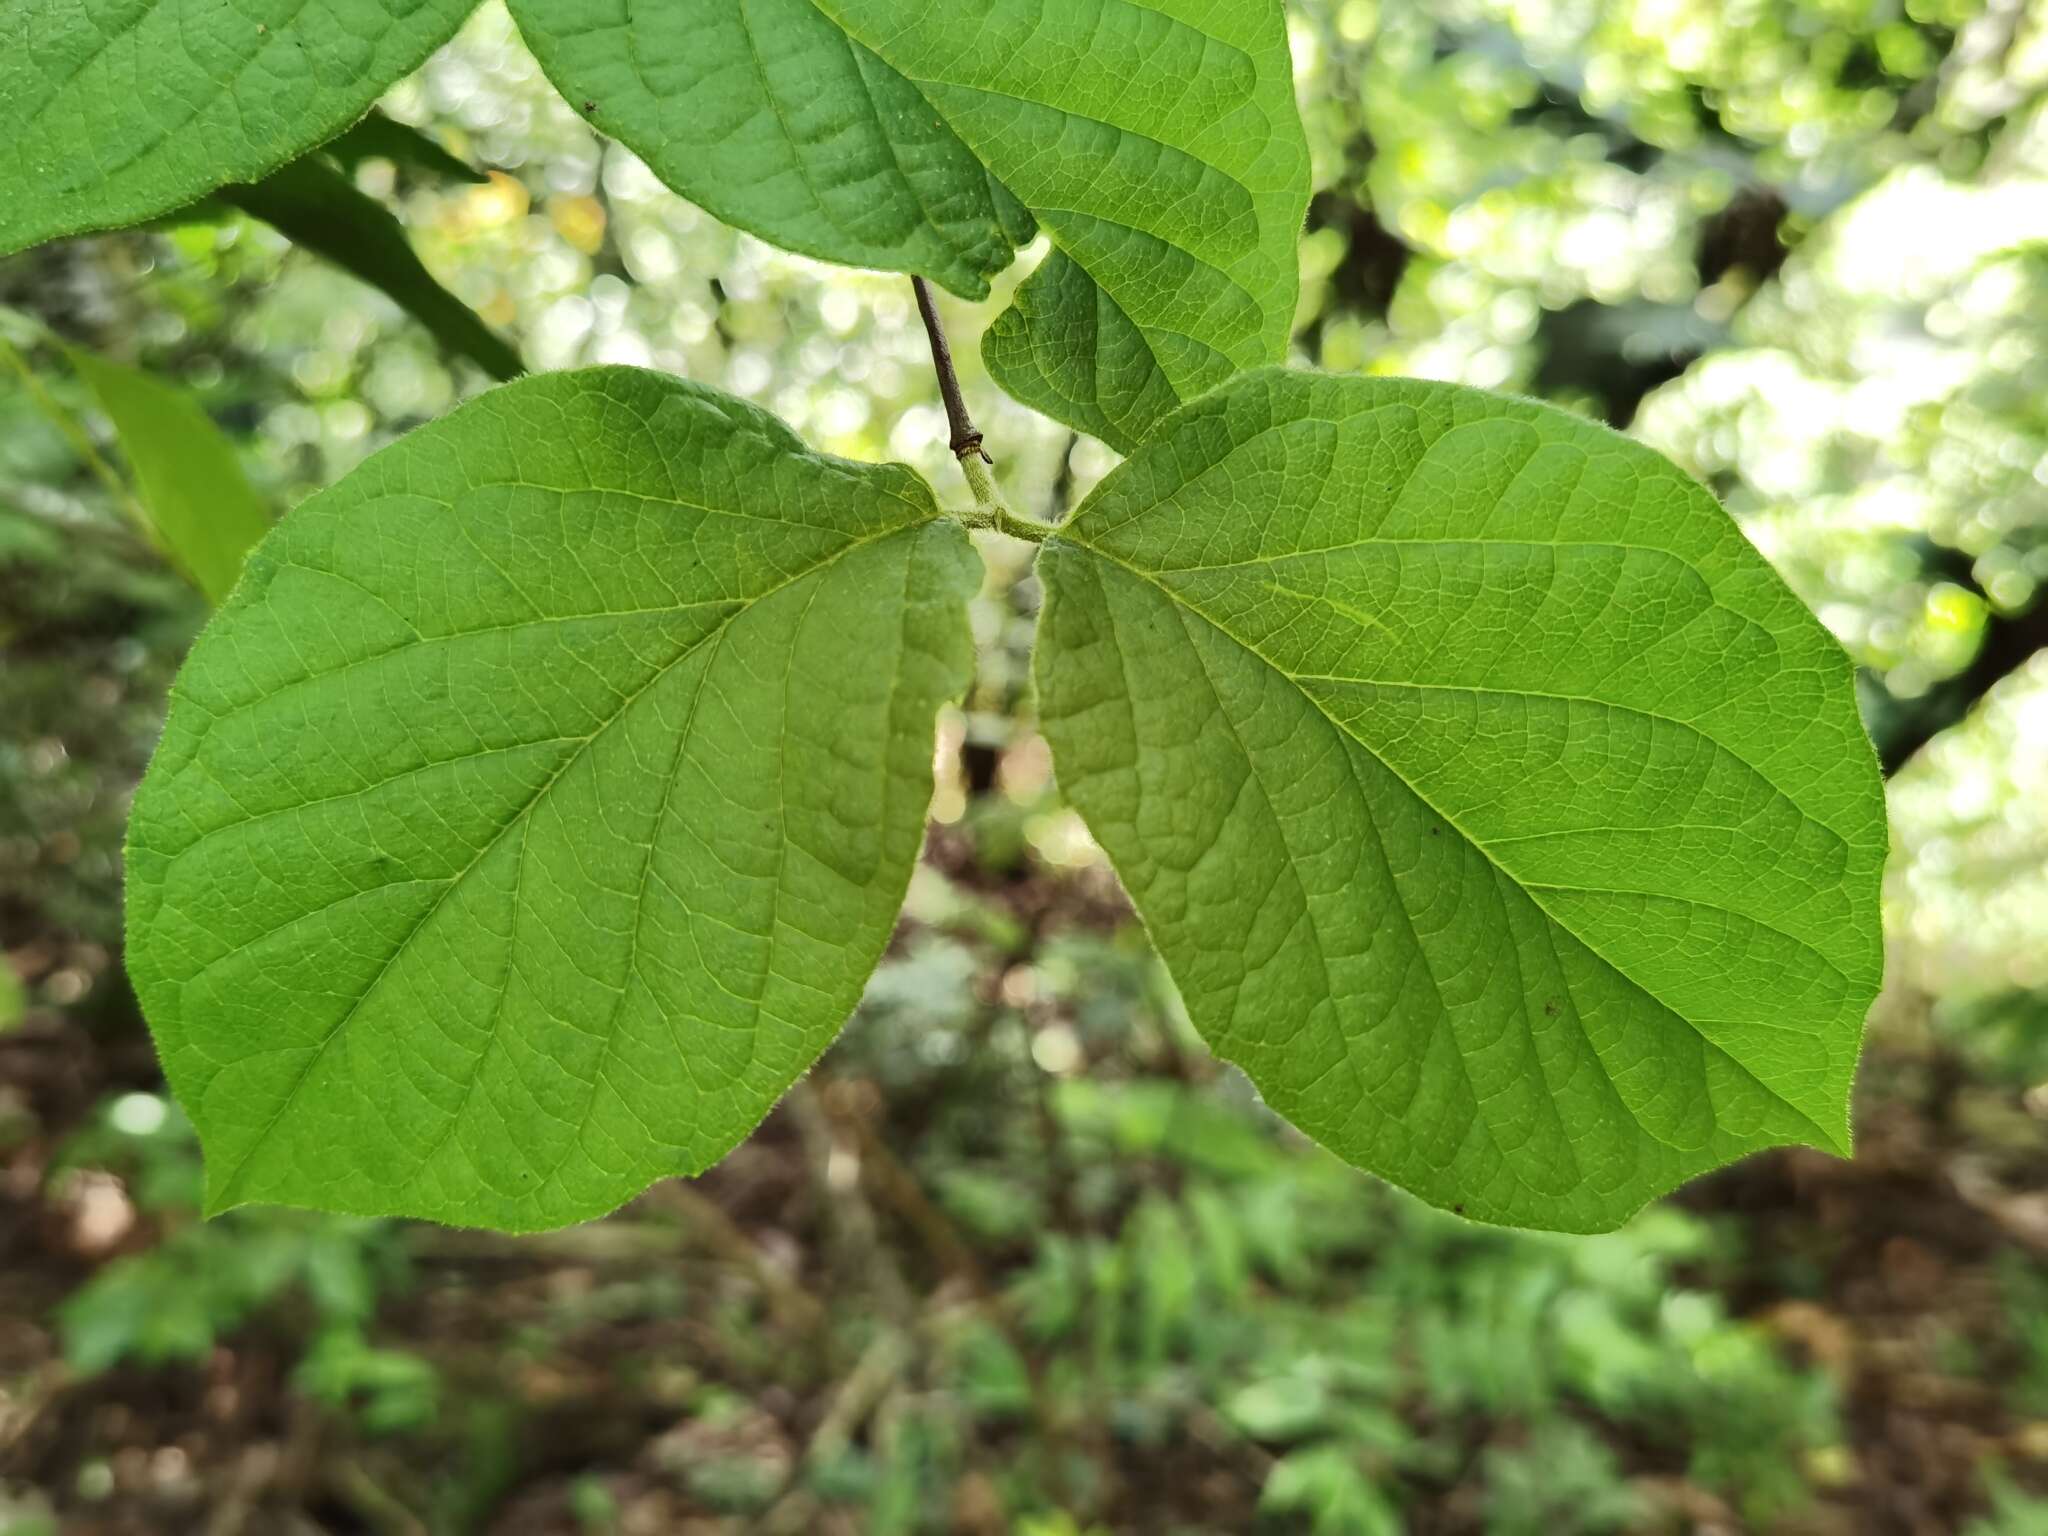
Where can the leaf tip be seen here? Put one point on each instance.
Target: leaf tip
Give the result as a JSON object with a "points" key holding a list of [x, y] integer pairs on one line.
{"points": [[219, 1196], [1835, 1135]]}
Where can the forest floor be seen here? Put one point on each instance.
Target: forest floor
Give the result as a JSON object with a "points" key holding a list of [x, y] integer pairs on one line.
{"points": [[564, 1401]]}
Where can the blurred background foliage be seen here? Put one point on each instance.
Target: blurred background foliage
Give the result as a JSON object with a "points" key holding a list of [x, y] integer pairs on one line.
{"points": [[1020, 1257]]}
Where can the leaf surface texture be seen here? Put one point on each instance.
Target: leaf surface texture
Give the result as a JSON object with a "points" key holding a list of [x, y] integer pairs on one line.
{"points": [[536, 809], [1492, 801], [120, 110], [1157, 144]]}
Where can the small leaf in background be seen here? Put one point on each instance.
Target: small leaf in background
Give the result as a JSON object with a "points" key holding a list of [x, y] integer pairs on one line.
{"points": [[202, 511], [378, 137], [1330, 1491], [13, 998], [1564, 1482], [1493, 803], [389, 1390], [538, 807], [313, 205], [1280, 1409], [118, 113]]}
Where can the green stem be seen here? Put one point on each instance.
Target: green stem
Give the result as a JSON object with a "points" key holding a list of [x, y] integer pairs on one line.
{"points": [[988, 497], [965, 439], [989, 509], [1003, 520]]}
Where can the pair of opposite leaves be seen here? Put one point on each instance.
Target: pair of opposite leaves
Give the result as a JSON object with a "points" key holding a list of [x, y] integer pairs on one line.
{"points": [[1156, 143], [533, 812], [521, 829]]}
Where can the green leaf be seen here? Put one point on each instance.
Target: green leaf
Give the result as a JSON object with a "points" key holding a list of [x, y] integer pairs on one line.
{"points": [[378, 137], [1327, 1484], [13, 997], [1494, 804], [1156, 144], [315, 206], [199, 506], [1065, 348], [535, 810], [119, 110], [769, 115]]}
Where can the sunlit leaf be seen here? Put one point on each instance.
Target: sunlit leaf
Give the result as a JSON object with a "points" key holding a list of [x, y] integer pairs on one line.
{"points": [[535, 811], [1493, 803]]}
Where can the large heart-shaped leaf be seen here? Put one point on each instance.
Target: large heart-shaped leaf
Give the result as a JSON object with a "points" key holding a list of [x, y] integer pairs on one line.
{"points": [[535, 809], [1156, 143], [120, 110], [1492, 801]]}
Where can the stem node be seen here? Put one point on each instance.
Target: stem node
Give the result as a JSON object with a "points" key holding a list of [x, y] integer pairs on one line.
{"points": [[989, 510]]}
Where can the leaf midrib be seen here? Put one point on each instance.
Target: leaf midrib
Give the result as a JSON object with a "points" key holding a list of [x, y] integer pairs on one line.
{"points": [[229, 1181], [1067, 539], [1422, 954]]}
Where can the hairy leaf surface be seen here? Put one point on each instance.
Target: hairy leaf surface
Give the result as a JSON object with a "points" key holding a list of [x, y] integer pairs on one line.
{"points": [[120, 110], [1493, 803], [536, 809], [1157, 144]]}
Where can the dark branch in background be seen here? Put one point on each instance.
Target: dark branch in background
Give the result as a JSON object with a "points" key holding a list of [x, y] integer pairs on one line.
{"points": [[1617, 353], [966, 441], [1364, 282], [1747, 235], [2010, 641]]}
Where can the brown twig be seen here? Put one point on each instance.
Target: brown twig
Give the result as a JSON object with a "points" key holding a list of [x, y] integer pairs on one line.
{"points": [[966, 439]]}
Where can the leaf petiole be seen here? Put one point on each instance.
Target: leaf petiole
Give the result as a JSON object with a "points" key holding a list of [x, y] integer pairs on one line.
{"points": [[989, 509], [1003, 520]]}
